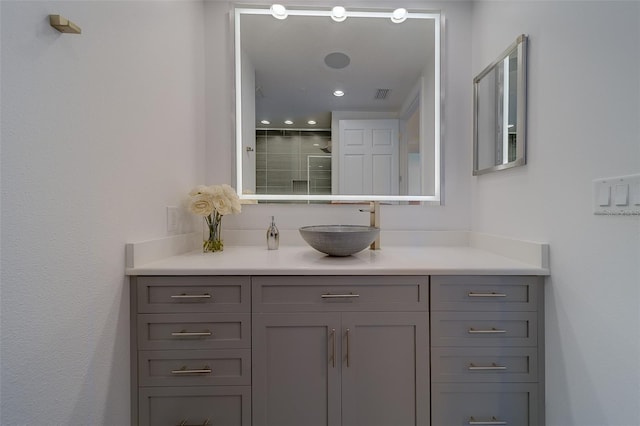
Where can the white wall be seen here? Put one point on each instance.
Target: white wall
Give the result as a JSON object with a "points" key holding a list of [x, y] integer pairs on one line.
{"points": [[584, 110], [100, 131]]}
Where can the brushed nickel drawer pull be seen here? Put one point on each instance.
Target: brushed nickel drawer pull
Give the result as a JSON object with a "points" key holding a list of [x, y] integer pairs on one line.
{"points": [[333, 355], [493, 366], [184, 423], [183, 370], [492, 294], [185, 333], [490, 331], [191, 296], [348, 354], [493, 421], [339, 296]]}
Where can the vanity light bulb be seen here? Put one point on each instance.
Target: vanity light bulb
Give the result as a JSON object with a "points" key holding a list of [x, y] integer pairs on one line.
{"points": [[399, 15], [338, 13], [279, 11]]}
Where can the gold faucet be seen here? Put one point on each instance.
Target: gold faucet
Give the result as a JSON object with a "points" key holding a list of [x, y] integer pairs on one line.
{"points": [[374, 220]]}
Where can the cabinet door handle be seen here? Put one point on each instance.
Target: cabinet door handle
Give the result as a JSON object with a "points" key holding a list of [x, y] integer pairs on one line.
{"points": [[489, 331], [333, 350], [492, 294], [493, 366], [348, 355], [191, 296], [185, 333], [183, 370], [184, 423], [339, 296], [493, 421]]}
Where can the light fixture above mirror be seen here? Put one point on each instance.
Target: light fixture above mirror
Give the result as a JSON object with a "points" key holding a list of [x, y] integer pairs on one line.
{"points": [[363, 70], [278, 11], [338, 13]]}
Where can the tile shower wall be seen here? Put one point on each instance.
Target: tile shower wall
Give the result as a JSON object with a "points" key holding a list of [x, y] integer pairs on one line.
{"points": [[292, 162]]}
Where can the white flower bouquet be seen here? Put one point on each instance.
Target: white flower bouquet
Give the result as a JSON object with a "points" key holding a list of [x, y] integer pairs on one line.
{"points": [[213, 202]]}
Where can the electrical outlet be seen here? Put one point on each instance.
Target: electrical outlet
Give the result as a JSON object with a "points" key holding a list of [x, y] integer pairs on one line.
{"points": [[172, 219]]}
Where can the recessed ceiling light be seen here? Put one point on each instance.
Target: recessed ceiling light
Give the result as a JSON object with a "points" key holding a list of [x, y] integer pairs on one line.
{"points": [[288, 122], [338, 14], [510, 126], [279, 11], [338, 93], [316, 144], [399, 15], [311, 122], [265, 122]]}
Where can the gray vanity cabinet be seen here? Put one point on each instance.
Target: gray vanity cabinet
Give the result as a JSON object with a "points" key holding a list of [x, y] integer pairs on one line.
{"points": [[487, 350], [191, 351], [340, 351], [337, 350]]}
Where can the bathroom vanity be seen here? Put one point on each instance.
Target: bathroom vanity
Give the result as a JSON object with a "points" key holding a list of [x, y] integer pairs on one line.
{"points": [[403, 336]]}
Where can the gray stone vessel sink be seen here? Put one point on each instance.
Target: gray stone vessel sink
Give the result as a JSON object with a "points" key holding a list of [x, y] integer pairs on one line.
{"points": [[339, 240]]}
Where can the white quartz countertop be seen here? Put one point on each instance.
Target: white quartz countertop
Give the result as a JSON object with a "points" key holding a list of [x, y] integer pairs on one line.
{"points": [[303, 260]]}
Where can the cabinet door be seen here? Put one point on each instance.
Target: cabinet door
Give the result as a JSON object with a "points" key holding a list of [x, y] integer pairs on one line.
{"points": [[195, 406], [385, 375], [497, 329], [463, 404], [296, 369], [193, 294]]}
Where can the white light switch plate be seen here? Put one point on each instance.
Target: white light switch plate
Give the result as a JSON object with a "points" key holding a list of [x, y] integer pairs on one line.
{"points": [[172, 219], [617, 195]]}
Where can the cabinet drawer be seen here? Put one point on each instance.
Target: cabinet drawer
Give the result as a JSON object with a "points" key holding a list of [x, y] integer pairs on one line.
{"points": [[194, 331], [193, 294], [484, 365], [340, 293], [484, 329], [195, 406], [484, 404], [490, 293], [195, 367]]}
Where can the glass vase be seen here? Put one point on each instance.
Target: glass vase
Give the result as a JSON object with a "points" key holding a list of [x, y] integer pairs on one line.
{"points": [[212, 238]]}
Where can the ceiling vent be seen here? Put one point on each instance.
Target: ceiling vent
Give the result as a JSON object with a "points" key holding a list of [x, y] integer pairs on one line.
{"points": [[382, 93]]}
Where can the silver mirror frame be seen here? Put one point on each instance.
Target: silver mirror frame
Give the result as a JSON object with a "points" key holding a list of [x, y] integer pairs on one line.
{"points": [[435, 199], [520, 44]]}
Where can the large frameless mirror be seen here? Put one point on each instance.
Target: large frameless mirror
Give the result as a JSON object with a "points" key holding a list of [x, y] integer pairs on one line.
{"points": [[499, 125], [333, 108]]}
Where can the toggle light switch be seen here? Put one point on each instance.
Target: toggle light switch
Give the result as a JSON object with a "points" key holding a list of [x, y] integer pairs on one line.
{"points": [[636, 194], [604, 195], [617, 196], [621, 195]]}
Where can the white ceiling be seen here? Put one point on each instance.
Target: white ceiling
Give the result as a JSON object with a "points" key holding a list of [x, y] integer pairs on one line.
{"points": [[293, 82]]}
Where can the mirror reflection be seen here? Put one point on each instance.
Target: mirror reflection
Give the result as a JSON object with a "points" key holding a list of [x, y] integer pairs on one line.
{"points": [[337, 111], [499, 111]]}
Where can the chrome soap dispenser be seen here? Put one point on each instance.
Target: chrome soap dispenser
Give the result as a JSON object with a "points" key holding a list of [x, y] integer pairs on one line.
{"points": [[273, 236]]}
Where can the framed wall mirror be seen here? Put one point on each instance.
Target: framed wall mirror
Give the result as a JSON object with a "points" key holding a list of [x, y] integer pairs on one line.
{"points": [[499, 119], [337, 105]]}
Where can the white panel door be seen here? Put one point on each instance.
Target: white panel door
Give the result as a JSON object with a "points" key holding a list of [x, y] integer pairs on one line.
{"points": [[369, 157]]}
